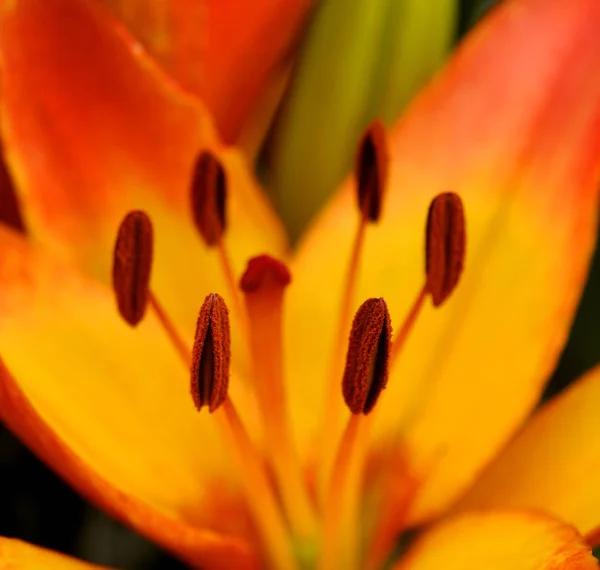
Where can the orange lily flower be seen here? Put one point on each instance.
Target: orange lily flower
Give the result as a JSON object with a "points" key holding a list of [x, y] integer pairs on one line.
{"points": [[282, 474]]}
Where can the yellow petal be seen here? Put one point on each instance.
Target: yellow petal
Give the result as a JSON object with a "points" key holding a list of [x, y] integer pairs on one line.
{"points": [[499, 540], [19, 555], [93, 128], [553, 463], [108, 407], [512, 126]]}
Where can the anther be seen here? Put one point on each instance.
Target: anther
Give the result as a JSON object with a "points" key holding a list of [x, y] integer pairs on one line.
{"points": [[371, 170], [211, 354], [366, 372], [132, 262], [209, 195], [445, 245]]}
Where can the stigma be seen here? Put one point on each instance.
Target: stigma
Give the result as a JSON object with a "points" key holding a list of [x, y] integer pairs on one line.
{"points": [[301, 521]]}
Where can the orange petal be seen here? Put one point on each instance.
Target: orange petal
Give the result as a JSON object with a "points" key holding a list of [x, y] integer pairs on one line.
{"points": [[19, 555], [108, 407], [225, 51], [92, 129], [499, 540], [553, 464], [513, 126]]}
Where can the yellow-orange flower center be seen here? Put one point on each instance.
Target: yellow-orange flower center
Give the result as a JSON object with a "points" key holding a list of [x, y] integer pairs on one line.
{"points": [[299, 522]]}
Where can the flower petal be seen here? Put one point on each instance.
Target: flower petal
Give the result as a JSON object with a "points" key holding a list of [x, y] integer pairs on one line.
{"points": [[93, 129], [19, 555], [499, 540], [108, 407], [553, 463], [513, 126], [225, 51]]}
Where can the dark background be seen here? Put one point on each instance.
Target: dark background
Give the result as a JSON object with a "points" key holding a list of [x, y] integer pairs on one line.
{"points": [[38, 507]]}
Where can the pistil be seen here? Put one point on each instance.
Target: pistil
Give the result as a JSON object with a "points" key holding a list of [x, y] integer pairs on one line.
{"points": [[263, 285]]}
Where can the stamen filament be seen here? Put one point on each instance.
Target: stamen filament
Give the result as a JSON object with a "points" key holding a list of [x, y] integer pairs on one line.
{"points": [[341, 532], [167, 324], [260, 498], [330, 429], [263, 284], [407, 325]]}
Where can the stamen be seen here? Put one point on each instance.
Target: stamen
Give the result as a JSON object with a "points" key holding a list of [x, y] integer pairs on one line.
{"points": [[211, 354], [209, 210], [131, 278], [364, 378], [209, 385], [367, 361], [371, 171], [132, 262], [444, 252], [445, 246], [209, 196], [263, 284]]}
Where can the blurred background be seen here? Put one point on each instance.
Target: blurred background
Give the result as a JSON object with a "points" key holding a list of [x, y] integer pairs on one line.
{"points": [[38, 507]]}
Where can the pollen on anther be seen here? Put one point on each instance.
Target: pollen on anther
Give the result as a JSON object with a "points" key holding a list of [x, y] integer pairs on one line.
{"points": [[211, 354], [371, 170], [445, 245], [366, 371], [264, 270], [208, 196], [132, 262]]}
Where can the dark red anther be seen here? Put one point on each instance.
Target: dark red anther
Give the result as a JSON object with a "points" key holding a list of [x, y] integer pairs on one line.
{"points": [[366, 372], [209, 196], [445, 245], [372, 170], [211, 354], [132, 262]]}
